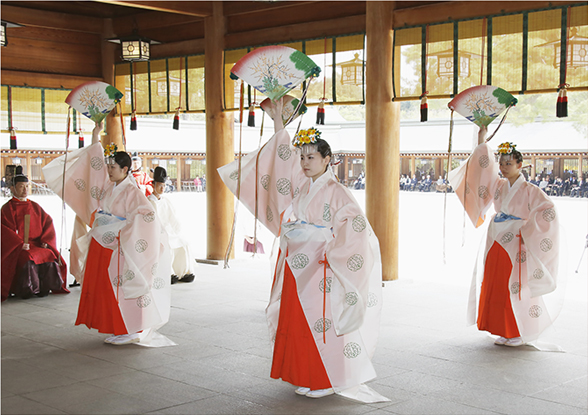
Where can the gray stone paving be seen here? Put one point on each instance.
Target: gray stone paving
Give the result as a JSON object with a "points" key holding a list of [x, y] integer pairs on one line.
{"points": [[427, 361]]}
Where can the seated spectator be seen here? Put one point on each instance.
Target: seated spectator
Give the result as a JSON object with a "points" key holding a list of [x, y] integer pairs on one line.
{"points": [[31, 264], [557, 187], [534, 181], [580, 189], [425, 185], [565, 189], [413, 183], [182, 262], [543, 184], [441, 186], [407, 182]]}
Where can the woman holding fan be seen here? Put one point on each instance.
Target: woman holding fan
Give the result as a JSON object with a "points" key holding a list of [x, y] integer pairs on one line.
{"points": [[326, 298]]}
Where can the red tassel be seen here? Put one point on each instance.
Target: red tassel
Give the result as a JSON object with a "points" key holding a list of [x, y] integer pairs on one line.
{"points": [[251, 118], [561, 110], [81, 139], [320, 113], [12, 139], [177, 120], [424, 109], [133, 121]]}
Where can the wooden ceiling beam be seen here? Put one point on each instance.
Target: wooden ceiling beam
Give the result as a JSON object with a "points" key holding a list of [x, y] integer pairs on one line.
{"points": [[189, 31], [288, 33], [233, 8], [51, 20], [187, 47], [456, 10], [150, 20], [44, 80], [292, 15], [188, 8]]}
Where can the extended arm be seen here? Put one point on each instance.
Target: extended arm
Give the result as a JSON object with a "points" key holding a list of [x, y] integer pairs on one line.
{"points": [[278, 107], [96, 133], [482, 134]]}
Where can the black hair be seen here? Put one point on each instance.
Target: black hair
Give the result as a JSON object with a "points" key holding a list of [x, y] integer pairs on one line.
{"points": [[123, 159], [322, 147], [515, 155]]}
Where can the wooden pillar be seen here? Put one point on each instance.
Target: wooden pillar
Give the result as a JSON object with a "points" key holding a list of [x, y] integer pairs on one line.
{"points": [[219, 138], [346, 170], [382, 136], [179, 170], [412, 166], [533, 171], [29, 172], [113, 127]]}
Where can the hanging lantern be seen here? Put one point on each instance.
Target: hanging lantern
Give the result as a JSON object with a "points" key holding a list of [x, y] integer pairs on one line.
{"points": [[3, 41], [577, 56], [5, 24], [352, 71], [135, 48], [445, 63]]}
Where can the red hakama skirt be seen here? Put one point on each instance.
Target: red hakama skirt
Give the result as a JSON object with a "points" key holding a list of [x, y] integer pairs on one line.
{"points": [[495, 313], [98, 307], [296, 357]]}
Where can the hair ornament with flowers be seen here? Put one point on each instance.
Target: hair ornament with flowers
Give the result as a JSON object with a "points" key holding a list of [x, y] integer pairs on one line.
{"points": [[308, 136], [110, 150], [507, 148]]}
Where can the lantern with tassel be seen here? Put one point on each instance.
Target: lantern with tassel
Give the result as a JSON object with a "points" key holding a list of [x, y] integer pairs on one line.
{"points": [[177, 120], [133, 121], [12, 139], [320, 113], [80, 139], [424, 108], [251, 118], [561, 110]]}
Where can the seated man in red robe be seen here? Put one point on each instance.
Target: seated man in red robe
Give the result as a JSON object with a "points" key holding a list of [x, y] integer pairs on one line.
{"points": [[143, 180], [31, 264]]}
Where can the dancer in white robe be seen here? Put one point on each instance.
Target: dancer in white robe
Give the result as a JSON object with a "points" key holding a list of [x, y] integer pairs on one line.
{"points": [[326, 297], [516, 283], [121, 262]]}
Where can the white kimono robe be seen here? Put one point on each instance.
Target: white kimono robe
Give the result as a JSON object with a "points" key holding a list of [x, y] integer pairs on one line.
{"points": [[537, 256], [326, 221], [141, 270], [182, 262]]}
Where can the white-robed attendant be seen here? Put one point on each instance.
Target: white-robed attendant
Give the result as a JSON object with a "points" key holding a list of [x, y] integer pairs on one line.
{"points": [[182, 261], [121, 262], [512, 293], [326, 299]]}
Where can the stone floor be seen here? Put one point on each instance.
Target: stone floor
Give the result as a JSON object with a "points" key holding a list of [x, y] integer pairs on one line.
{"points": [[427, 361]]}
